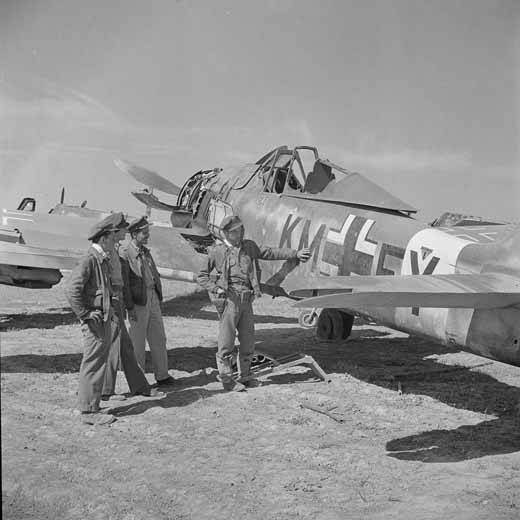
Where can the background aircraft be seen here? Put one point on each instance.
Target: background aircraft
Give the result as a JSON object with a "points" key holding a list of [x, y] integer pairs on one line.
{"points": [[456, 280]]}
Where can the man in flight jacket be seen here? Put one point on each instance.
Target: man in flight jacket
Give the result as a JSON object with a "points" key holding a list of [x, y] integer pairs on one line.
{"points": [[237, 284]]}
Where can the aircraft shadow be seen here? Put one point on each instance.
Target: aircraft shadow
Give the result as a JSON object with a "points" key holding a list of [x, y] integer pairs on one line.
{"points": [[379, 361], [186, 306], [173, 399], [192, 306], [366, 356], [179, 396], [38, 320]]}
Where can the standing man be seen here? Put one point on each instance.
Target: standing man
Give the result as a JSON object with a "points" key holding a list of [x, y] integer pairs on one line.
{"points": [[237, 284], [89, 294], [122, 348], [143, 296]]}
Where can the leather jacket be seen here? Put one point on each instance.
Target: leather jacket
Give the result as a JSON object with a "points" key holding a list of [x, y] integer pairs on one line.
{"points": [[251, 254], [134, 287]]}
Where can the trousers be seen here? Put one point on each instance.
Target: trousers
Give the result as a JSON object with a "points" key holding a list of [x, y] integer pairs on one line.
{"points": [[122, 352], [236, 316], [149, 327], [96, 346]]}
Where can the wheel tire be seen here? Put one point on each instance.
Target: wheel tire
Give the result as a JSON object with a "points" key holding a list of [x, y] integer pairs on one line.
{"points": [[324, 325], [337, 325], [348, 322], [330, 325]]}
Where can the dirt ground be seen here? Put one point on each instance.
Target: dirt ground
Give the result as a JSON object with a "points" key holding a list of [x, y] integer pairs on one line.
{"points": [[441, 445]]}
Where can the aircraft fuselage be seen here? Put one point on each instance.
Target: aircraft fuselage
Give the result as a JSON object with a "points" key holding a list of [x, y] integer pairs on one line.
{"points": [[349, 240]]}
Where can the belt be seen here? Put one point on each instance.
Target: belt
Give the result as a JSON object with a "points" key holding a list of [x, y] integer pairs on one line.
{"points": [[239, 287]]}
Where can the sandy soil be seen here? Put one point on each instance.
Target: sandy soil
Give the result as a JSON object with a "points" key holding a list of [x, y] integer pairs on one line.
{"points": [[442, 445]]}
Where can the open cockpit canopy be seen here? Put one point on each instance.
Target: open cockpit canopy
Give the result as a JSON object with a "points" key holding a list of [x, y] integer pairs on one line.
{"points": [[299, 172]]}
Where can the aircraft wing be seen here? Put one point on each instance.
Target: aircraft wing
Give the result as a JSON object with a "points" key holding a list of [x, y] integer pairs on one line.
{"points": [[176, 257], [479, 291], [33, 267], [38, 267], [23, 255]]}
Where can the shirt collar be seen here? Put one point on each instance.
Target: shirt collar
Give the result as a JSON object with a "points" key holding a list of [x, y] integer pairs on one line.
{"points": [[139, 249], [230, 246], [99, 250]]}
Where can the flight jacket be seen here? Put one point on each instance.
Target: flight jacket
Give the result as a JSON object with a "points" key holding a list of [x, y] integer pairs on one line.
{"points": [[88, 286], [134, 286], [251, 253]]}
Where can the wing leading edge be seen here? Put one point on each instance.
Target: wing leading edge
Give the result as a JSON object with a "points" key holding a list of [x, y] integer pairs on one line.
{"points": [[479, 291]]}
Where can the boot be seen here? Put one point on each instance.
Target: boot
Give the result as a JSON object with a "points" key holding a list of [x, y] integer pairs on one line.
{"points": [[225, 371]]}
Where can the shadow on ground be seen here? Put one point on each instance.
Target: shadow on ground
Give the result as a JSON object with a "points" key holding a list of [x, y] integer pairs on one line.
{"points": [[183, 393], [368, 357], [38, 320], [188, 359], [384, 362], [186, 306], [192, 306]]}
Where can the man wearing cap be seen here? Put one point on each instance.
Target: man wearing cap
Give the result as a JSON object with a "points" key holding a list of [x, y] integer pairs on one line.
{"points": [[143, 296], [89, 294], [237, 284], [122, 348]]}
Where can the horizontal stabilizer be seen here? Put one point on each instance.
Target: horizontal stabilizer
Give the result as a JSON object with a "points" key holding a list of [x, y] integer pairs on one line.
{"points": [[147, 177], [479, 291]]}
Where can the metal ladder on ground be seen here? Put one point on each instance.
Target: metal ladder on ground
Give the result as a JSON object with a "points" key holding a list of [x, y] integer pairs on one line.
{"points": [[273, 366]]}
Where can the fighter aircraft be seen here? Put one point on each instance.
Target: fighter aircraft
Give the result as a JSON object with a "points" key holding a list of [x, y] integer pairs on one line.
{"points": [[456, 280]]}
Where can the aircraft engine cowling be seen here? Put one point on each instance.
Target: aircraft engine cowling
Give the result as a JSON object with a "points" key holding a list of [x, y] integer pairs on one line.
{"points": [[30, 278]]}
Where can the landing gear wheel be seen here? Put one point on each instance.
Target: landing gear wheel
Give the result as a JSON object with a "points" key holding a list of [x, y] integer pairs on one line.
{"points": [[308, 319], [324, 326], [330, 325], [348, 321]]}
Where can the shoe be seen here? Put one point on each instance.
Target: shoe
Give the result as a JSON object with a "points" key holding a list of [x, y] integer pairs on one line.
{"points": [[97, 419], [234, 386], [166, 382], [113, 397], [152, 392], [252, 383]]}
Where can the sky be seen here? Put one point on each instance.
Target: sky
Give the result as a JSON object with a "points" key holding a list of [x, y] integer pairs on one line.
{"points": [[421, 96]]}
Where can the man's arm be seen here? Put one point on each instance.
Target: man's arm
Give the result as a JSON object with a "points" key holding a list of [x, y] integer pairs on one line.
{"points": [[204, 278], [276, 253], [127, 293], [156, 278], [74, 290], [280, 253]]}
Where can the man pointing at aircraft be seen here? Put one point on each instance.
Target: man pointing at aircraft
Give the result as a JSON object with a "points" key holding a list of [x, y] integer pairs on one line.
{"points": [[238, 283]]}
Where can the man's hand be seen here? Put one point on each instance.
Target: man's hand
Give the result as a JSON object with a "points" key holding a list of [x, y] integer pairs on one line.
{"points": [[219, 292], [94, 316], [132, 315], [304, 254]]}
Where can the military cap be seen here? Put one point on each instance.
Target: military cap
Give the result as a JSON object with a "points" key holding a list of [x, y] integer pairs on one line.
{"points": [[137, 224], [102, 227], [117, 219], [230, 223]]}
